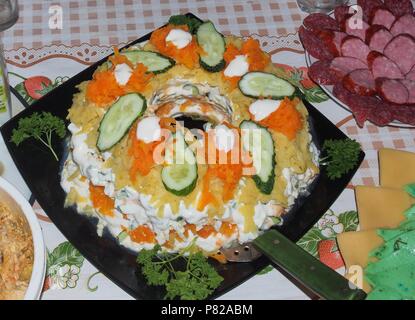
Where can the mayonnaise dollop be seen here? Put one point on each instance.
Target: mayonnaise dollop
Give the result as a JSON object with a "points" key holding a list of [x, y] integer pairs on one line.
{"points": [[237, 67], [179, 38], [122, 73], [148, 129], [261, 109]]}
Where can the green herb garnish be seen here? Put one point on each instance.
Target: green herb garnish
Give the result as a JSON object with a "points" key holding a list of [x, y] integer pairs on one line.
{"points": [[181, 19], [341, 157], [197, 281], [39, 126]]}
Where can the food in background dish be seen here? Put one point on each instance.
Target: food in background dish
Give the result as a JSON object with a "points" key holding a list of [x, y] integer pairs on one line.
{"points": [[391, 276], [16, 253], [127, 113], [369, 61], [384, 245]]}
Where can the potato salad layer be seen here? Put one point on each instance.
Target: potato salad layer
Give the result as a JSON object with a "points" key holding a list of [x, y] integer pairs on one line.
{"points": [[192, 139]]}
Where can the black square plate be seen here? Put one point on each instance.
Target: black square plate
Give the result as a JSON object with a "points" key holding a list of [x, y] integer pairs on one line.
{"points": [[42, 174]]}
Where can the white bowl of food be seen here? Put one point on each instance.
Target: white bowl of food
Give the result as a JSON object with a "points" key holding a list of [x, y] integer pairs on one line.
{"points": [[22, 249]]}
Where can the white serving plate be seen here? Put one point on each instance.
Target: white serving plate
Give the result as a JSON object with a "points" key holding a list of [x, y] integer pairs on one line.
{"points": [[12, 197]]}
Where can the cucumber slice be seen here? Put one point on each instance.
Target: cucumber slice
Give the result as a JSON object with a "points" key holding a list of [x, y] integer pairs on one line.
{"points": [[265, 85], [213, 45], [179, 176], [258, 141], [154, 61], [119, 118]]}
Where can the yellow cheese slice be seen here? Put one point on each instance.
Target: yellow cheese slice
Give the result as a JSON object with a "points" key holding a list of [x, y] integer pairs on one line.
{"points": [[396, 168], [355, 248], [380, 207]]}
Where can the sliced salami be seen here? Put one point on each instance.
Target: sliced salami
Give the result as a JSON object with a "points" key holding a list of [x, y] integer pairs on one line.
{"points": [[338, 39], [360, 82], [383, 17], [369, 6], [410, 86], [411, 74], [344, 65], [314, 45], [383, 67], [355, 48], [401, 50], [360, 111], [392, 91], [363, 107], [320, 21], [329, 39], [377, 37], [404, 114], [341, 13], [399, 7], [357, 27], [321, 73], [405, 24]]}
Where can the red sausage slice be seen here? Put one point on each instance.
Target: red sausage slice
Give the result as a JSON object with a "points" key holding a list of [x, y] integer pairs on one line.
{"points": [[355, 48], [320, 21], [404, 114], [377, 37], [399, 7], [360, 82], [383, 17], [410, 85], [383, 67], [338, 39], [368, 7], [341, 13], [405, 24], [363, 107], [392, 91], [401, 50], [321, 73], [314, 45], [357, 27], [344, 65], [411, 74], [329, 39]]}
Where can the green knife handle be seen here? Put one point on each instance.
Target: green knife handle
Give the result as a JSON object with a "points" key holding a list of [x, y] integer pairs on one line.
{"points": [[315, 275]]}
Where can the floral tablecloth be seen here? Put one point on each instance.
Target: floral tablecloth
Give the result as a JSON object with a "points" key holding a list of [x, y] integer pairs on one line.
{"points": [[89, 30]]}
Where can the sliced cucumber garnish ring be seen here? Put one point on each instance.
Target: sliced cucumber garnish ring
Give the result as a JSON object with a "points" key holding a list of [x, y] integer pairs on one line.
{"points": [[265, 85], [154, 61], [179, 175], [213, 45], [258, 141], [119, 118]]}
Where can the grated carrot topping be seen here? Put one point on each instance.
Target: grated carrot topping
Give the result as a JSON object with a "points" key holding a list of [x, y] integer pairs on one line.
{"points": [[188, 56], [286, 119], [101, 201], [142, 234]]}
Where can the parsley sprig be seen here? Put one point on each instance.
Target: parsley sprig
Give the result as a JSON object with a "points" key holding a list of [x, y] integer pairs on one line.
{"points": [[197, 281], [41, 127], [341, 157]]}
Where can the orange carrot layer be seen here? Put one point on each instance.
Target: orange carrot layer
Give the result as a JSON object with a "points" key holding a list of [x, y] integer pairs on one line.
{"points": [[104, 89], [257, 59], [142, 234], [142, 154], [101, 201], [286, 119], [189, 55]]}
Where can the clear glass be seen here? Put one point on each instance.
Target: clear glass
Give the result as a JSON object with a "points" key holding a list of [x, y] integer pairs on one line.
{"points": [[9, 13], [325, 6]]}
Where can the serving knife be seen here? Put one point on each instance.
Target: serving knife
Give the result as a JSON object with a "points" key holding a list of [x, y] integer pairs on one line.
{"points": [[304, 267]]}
